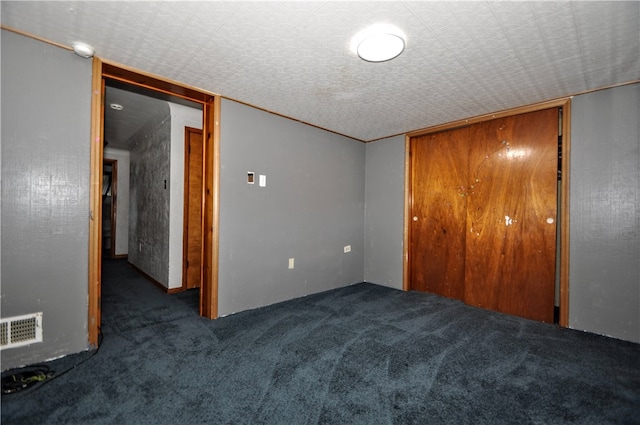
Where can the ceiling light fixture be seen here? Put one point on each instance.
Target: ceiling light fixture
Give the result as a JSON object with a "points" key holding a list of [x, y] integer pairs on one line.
{"points": [[83, 49], [378, 43]]}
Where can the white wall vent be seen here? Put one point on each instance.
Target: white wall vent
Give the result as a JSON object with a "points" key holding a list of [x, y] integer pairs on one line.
{"points": [[20, 330]]}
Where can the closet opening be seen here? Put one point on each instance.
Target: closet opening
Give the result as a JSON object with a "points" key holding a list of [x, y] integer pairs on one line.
{"points": [[486, 211]]}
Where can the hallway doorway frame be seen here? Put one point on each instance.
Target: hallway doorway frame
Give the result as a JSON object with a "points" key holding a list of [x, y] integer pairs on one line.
{"points": [[102, 71]]}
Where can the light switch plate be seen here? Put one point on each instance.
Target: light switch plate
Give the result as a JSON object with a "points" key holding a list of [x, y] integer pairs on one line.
{"points": [[263, 180]]}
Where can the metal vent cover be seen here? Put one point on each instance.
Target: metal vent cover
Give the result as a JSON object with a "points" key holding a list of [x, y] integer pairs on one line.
{"points": [[20, 330]]}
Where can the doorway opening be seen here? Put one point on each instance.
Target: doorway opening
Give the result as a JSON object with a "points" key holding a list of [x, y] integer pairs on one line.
{"points": [[112, 76]]}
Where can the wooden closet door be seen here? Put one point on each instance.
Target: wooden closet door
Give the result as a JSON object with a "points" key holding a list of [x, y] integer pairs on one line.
{"points": [[438, 212], [511, 215]]}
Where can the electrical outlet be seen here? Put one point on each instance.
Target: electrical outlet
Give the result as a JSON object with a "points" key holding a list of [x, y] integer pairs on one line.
{"points": [[291, 263], [347, 249]]}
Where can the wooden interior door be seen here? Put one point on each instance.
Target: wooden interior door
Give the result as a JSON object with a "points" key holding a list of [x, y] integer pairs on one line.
{"points": [[483, 207], [511, 215], [438, 212], [192, 237], [109, 181]]}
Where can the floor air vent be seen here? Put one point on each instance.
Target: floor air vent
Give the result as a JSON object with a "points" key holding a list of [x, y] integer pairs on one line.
{"points": [[20, 330]]}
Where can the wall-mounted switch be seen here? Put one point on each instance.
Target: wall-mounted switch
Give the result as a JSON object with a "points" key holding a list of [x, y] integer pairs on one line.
{"points": [[251, 177], [263, 180], [347, 248], [291, 263]]}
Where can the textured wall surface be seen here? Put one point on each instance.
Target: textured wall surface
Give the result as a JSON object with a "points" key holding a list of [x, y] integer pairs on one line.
{"points": [[149, 198], [122, 199], [384, 212], [310, 209], [46, 106], [605, 213]]}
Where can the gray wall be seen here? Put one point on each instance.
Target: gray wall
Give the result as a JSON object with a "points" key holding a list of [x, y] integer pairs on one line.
{"points": [[312, 206], [149, 187], [384, 212], [46, 106], [605, 213]]}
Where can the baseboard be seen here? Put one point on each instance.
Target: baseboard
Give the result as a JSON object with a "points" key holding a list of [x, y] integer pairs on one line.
{"points": [[174, 290], [149, 278], [120, 257]]}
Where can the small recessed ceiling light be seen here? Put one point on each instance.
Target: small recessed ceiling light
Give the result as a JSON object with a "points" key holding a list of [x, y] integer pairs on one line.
{"points": [[116, 106], [378, 43], [83, 49]]}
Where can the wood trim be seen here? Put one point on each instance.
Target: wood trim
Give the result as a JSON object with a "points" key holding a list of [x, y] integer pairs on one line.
{"points": [[185, 209], [152, 82], [490, 116], [300, 121], [35, 37], [95, 201], [211, 216], [565, 215], [560, 100], [175, 290], [155, 281], [406, 284], [187, 201]]}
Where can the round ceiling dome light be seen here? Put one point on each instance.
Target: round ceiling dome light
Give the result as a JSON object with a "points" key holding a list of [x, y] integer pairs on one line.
{"points": [[378, 43], [83, 49]]}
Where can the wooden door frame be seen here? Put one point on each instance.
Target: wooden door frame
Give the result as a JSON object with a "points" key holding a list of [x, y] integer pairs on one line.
{"points": [[185, 210], [103, 70], [563, 203], [114, 198]]}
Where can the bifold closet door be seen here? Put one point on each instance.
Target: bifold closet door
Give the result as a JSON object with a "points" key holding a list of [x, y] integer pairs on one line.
{"points": [[483, 214], [511, 215]]}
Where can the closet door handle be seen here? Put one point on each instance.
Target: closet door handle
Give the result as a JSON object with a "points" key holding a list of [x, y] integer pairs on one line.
{"points": [[415, 218]]}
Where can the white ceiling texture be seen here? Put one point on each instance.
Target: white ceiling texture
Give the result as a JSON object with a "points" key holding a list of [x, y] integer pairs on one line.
{"points": [[462, 59]]}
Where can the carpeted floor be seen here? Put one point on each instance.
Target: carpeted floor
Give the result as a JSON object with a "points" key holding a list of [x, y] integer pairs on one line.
{"points": [[363, 354]]}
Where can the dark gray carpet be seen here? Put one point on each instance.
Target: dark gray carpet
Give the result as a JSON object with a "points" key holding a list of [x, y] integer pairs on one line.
{"points": [[364, 354]]}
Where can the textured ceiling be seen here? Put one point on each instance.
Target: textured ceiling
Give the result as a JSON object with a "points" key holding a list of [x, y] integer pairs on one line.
{"points": [[462, 58], [120, 125]]}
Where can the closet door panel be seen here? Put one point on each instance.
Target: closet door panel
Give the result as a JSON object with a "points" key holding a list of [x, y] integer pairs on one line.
{"points": [[438, 213], [511, 214]]}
